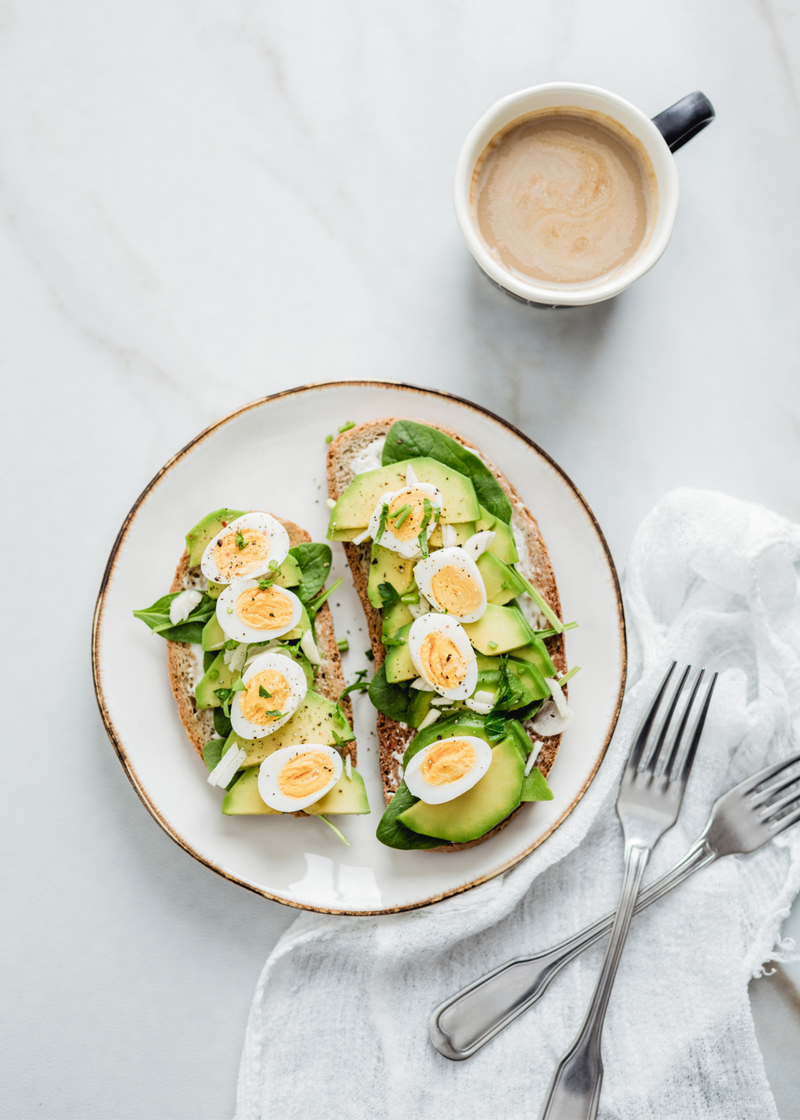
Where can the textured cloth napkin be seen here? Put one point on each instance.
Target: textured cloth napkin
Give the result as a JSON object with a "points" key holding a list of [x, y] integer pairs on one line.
{"points": [[338, 1026]]}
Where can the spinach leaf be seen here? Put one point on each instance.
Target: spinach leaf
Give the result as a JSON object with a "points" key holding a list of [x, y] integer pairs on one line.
{"points": [[315, 564], [391, 699], [393, 833], [407, 439], [212, 752], [157, 618], [222, 724], [535, 787]]}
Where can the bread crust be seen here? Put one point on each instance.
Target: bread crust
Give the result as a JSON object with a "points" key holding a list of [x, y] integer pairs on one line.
{"points": [[394, 737], [182, 664]]}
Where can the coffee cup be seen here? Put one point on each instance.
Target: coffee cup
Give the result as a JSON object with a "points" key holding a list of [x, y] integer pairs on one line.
{"points": [[566, 194]]}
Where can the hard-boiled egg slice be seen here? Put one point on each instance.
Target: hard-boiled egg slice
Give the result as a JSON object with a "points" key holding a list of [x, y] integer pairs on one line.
{"points": [[249, 613], [442, 655], [450, 579], [399, 530], [447, 768], [246, 547], [275, 686], [293, 778]]}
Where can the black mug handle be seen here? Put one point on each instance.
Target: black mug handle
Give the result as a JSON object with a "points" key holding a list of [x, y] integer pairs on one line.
{"points": [[684, 119]]}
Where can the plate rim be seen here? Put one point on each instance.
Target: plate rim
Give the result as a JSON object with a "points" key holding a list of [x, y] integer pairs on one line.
{"points": [[108, 572]]}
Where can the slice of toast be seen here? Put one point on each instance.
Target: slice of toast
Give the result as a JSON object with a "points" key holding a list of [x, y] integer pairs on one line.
{"points": [[185, 669], [534, 563]]}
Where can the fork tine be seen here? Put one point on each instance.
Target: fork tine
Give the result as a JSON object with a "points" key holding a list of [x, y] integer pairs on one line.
{"points": [[643, 732], [658, 749], [777, 827], [769, 812], [767, 773], [697, 732], [764, 795], [668, 768]]}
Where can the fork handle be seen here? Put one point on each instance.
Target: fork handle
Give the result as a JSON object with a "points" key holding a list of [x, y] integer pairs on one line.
{"points": [[575, 1089], [470, 1018]]}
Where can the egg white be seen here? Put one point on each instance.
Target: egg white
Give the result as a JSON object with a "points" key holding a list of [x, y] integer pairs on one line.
{"points": [[456, 557], [438, 795], [452, 629], [234, 627], [388, 539], [271, 767], [298, 687], [260, 522]]}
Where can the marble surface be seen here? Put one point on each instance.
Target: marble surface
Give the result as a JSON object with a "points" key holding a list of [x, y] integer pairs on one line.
{"points": [[206, 202]]}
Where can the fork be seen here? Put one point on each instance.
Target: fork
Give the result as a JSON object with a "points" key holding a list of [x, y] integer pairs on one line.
{"points": [[741, 821]]}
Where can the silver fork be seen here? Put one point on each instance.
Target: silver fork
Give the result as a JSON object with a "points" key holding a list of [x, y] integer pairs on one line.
{"points": [[741, 821], [649, 799]]}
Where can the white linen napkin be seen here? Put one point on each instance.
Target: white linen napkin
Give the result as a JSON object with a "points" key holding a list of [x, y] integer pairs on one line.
{"points": [[338, 1025]]}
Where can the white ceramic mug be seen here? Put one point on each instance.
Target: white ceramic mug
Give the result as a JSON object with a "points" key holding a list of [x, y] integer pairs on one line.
{"points": [[660, 137]]}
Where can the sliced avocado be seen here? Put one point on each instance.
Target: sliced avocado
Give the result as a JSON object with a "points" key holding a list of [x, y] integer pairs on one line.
{"points": [[345, 534], [397, 615], [315, 721], [399, 666], [499, 630], [464, 531], [419, 706], [535, 787], [538, 655], [347, 796], [218, 675], [485, 521], [355, 506], [388, 567], [531, 685], [213, 636], [299, 630], [289, 573], [243, 798], [214, 590], [502, 582], [198, 537], [503, 546], [477, 811]]}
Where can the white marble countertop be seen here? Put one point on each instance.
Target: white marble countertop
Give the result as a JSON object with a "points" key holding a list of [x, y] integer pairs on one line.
{"points": [[206, 202]]}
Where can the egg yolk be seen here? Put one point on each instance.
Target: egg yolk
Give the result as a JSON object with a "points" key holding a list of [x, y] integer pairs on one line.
{"points": [[239, 552], [306, 774], [411, 521], [443, 664], [256, 707], [454, 591], [447, 762], [264, 608]]}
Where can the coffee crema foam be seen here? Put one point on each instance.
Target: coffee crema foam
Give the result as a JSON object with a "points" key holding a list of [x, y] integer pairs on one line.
{"points": [[565, 196]]}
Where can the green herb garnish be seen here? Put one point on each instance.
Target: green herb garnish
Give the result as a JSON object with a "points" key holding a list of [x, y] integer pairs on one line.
{"points": [[382, 523], [231, 644], [492, 645], [401, 515], [388, 594], [568, 676], [348, 424], [426, 520], [551, 633], [538, 599], [343, 646], [263, 692], [241, 543], [329, 439]]}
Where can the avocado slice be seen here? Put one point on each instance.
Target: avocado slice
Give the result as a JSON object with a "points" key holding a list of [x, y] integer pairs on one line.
{"points": [[536, 652], [502, 582], [213, 636], [477, 811], [218, 675], [503, 546], [399, 666], [355, 506], [199, 536], [394, 617], [464, 531], [243, 798], [499, 630], [388, 567], [347, 796], [315, 721]]}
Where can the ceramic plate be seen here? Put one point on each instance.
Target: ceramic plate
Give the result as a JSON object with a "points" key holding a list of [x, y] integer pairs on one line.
{"points": [[271, 455]]}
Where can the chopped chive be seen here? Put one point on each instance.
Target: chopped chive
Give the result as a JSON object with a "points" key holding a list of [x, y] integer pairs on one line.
{"points": [[382, 523], [314, 604], [241, 543], [423, 536], [322, 817], [401, 515], [348, 424], [539, 600], [567, 676], [551, 633], [329, 439], [492, 645], [410, 597], [343, 645]]}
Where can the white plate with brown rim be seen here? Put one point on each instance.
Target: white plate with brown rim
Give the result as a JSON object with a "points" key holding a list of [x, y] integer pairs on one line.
{"points": [[271, 455]]}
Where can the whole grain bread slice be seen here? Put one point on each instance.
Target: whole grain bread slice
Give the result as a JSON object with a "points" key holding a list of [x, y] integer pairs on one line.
{"points": [[535, 564], [185, 669]]}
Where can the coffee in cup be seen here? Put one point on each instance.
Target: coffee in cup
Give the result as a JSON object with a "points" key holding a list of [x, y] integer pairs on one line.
{"points": [[564, 196]]}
